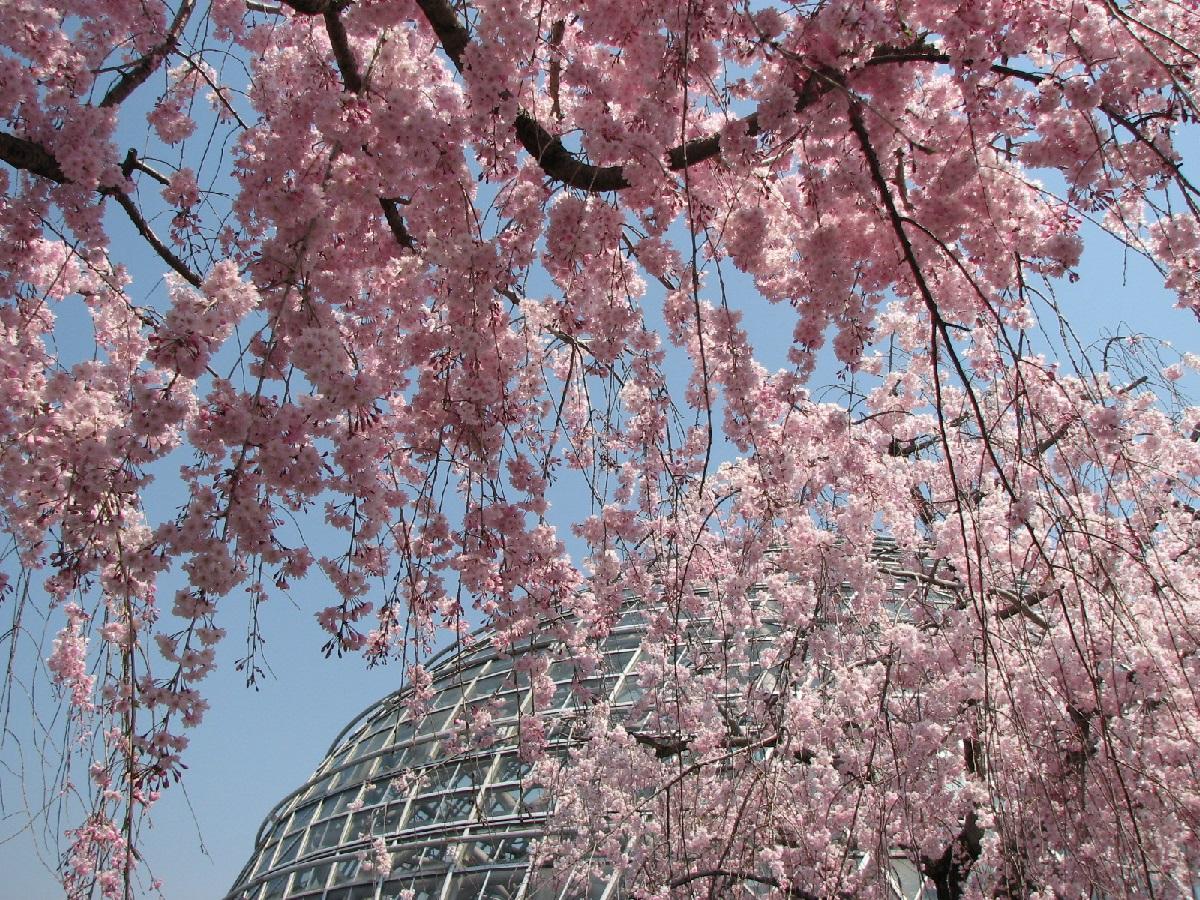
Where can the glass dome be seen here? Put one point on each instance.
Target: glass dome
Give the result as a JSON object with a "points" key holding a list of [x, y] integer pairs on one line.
{"points": [[447, 791], [458, 813]]}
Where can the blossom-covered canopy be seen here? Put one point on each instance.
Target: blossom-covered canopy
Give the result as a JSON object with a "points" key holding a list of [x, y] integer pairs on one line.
{"points": [[513, 308]]}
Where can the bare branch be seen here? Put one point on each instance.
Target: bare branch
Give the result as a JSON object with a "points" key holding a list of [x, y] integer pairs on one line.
{"points": [[143, 227]]}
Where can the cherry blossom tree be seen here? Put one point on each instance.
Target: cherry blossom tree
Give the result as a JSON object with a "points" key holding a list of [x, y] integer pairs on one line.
{"points": [[430, 267]]}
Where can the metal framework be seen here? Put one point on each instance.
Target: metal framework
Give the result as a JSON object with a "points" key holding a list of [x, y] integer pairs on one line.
{"points": [[456, 809]]}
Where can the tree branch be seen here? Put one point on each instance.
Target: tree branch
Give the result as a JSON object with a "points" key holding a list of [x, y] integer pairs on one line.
{"points": [[35, 159], [342, 53], [733, 875], [562, 165], [148, 64], [312, 7], [144, 229], [30, 157], [391, 212], [949, 872]]}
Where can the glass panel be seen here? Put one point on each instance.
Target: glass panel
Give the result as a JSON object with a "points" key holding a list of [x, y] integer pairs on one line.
{"points": [[264, 860], [303, 815], [438, 856], [435, 722], [389, 822], [405, 732], [406, 860], [326, 834], [515, 849], [390, 762], [374, 742], [617, 662], [339, 802], [633, 617], [628, 640], [345, 871], [313, 877], [437, 779], [447, 697], [471, 774], [360, 824], [501, 802], [534, 800], [479, 853], [503, 885], [506, 705], [563, 696], [630, 691], [274, 888], [426, 888], [511, 768], [289, 848], [468, 886], [424, 812], [319, 789], [375, 793], [486, 687], [420, 754], [456, 807]]}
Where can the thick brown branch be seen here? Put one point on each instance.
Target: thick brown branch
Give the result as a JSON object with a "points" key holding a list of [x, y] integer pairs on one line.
{"points": [[449, 30], [562, 165], [312, 7], [949, 872], [342, 53], [30, 157], [135, 76], [391, 212]]}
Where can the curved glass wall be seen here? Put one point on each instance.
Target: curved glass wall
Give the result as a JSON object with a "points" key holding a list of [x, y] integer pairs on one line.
{"points": [[454, 804], [457, 811]]}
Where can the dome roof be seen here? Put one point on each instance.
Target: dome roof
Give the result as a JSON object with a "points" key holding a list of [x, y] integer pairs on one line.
{"points": [[457, 812], [448, 791]]}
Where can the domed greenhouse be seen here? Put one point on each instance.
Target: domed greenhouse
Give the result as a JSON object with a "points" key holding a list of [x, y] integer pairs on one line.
{"points": [[435, 798], [457, 812]]}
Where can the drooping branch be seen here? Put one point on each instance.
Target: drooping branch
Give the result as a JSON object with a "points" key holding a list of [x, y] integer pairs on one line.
{"points": [[37, 160]]}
